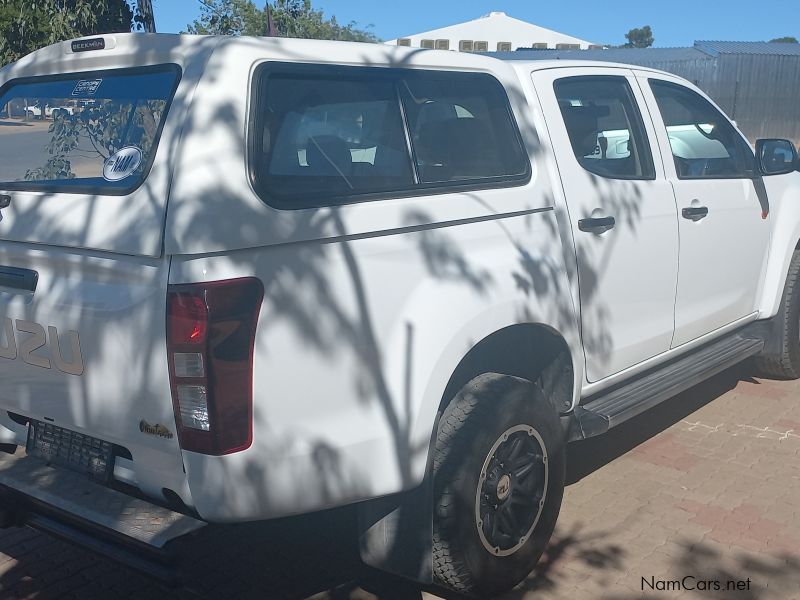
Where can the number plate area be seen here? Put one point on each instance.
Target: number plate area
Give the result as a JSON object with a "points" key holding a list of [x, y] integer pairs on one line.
{"points": [[75, 451]]}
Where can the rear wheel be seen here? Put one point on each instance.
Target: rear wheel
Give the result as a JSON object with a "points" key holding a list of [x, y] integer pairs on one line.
{"points": [[498, 484], [786, 364]]}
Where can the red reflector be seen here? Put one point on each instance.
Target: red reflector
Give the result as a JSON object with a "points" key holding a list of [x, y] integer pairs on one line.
{"points": [[217, 320], [187, 318]]}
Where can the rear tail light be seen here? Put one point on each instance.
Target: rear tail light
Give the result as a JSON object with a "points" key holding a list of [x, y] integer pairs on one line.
{"points": [[210, 338]]}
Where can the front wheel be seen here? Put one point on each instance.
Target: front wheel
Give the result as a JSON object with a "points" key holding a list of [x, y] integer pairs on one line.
{"points": [[786, 364], [498, 484]]}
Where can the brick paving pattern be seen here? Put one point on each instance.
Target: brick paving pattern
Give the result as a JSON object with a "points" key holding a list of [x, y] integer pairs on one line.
{"points": [[706, 485]]}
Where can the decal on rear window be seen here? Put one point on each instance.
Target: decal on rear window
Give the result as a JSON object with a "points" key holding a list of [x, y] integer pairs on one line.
{"points": [[121, 164], [87, 87]]}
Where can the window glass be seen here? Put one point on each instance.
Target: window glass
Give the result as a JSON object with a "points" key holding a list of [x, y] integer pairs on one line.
{"points": [[426, 44], [328, 135], [404, 42], [324, 137], [605, 126], [465, 45], [87, 132], [504, 46], [481, 46], [443, 44], [704, 143], [461, 128]]}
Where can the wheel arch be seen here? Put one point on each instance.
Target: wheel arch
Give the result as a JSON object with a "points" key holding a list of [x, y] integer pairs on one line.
{"points": [[531, 351]]}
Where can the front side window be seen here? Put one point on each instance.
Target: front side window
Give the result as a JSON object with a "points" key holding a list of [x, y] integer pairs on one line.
{"points": [[83, 133], [605, 126], [704, 143], [326, 136]]}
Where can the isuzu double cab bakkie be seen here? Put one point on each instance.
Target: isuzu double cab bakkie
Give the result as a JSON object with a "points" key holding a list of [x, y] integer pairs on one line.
{"points": [[253, 278]]}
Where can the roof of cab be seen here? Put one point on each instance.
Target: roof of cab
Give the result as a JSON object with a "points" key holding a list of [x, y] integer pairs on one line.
{"points": [[134, 49], [147, 48], [541, 65]]}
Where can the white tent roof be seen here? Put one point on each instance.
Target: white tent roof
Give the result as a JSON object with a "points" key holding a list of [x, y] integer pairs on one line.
{"points": [[498, 26]]}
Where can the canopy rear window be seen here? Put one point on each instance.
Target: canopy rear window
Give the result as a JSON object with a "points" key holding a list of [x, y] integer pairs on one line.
{"points": [[91, 132]]}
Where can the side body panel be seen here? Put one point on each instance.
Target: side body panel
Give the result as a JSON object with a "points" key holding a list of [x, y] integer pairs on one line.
{"points": [[368, 307], [356, 342]]}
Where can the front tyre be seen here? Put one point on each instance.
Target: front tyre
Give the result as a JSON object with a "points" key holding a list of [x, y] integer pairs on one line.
{"points": [[786, 364], [498, 484]]}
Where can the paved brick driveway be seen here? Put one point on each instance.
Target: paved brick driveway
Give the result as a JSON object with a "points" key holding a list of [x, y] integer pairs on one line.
{"points": [[705, 486]]}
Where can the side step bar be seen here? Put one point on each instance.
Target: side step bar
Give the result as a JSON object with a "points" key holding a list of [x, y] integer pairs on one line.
{"points": [[608, 409], [70, 506]]}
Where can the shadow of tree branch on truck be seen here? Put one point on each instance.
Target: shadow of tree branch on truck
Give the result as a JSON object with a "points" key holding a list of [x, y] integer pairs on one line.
{"points": [[321, 292]]}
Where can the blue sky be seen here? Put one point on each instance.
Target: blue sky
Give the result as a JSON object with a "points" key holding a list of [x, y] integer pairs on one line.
{"points": [[674, 22]]}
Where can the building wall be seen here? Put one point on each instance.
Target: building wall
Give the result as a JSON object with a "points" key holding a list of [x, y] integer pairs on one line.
{"points": [[492, 42], [761, 92]]}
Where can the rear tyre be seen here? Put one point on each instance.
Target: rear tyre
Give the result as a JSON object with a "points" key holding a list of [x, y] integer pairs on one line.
{"points": [[498, 484], [786, 364]]}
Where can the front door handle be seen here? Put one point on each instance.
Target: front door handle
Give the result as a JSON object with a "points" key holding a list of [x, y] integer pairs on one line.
{"points": [[695, 213], [597, 224]]}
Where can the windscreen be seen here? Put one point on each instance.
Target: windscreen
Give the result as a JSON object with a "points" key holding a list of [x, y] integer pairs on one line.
{"points": [[92, 132]]}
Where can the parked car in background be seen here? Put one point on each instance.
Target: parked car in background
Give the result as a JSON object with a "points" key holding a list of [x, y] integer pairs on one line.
{"points": [[273, 276], [67, 107], [33, 112]]}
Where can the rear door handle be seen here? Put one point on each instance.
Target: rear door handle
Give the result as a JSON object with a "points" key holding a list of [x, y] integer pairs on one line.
{"points": [[597, 224], [695, 213], [21, 279]]}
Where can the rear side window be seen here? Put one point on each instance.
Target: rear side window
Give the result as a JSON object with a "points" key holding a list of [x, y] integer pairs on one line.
{"points": [[704, 143], [461, 129], [331, 135], [93, 132], [605, 126]]}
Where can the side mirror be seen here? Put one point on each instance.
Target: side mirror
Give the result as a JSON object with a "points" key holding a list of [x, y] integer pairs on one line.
{"points": [[776, 157]]}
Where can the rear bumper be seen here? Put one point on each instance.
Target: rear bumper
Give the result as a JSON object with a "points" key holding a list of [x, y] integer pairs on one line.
{"points": [[70, 506]]}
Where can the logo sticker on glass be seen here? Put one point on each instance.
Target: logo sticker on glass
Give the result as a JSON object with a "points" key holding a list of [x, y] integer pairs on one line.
{"points": [[86, 87], [122, 163]]}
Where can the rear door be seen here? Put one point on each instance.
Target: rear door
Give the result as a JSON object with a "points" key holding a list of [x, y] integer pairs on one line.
{"points": [[82, 280], [724, 227], [622, 211]]}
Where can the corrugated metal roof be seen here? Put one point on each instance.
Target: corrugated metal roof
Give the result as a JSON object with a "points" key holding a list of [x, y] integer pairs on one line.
{"points": [[623, 55], [714, 48]]}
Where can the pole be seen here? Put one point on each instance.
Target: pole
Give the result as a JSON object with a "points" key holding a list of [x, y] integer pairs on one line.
{"points": [[146, 14]]}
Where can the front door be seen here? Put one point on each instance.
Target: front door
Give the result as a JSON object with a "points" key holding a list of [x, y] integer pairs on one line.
{"points": [[622, 210], [724, 227]]}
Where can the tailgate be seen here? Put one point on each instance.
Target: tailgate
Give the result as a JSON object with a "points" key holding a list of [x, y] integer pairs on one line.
{"points": [[85, 351]]}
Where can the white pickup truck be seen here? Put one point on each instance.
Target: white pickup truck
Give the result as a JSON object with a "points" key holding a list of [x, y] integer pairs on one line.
{"points": [[255, 278]]}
